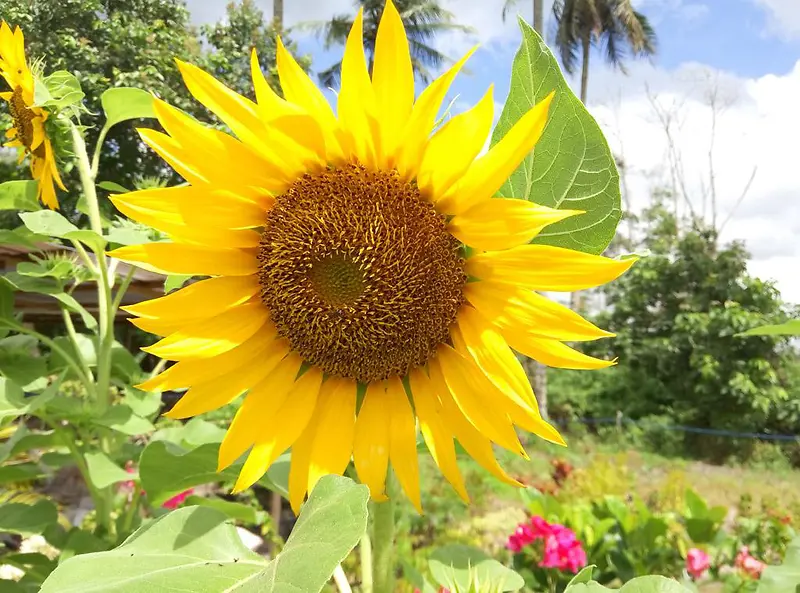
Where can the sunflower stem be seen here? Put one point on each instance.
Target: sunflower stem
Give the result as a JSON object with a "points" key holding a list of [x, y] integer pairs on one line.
{"points": [[105, 340], [383, 519], [365, 552]]}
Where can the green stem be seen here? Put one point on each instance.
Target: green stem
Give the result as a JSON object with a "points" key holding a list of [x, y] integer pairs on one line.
{"points": [[84, 256], [98, 147], [365, 552], [105, 308], [106, 313], [130, 513], [70, 442], [383, 544], [123, 288]]}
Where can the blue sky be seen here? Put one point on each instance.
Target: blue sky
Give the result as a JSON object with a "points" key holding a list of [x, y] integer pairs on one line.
{"points": [[734, 36]]}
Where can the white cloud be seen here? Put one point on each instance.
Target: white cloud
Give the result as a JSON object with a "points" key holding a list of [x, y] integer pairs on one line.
{"points": [[784, 17], [752, 131]]}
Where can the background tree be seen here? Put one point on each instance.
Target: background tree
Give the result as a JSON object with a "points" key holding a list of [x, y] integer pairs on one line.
{"points": [[423, 20], [231, 40], [614, 25], [538, 13], [676, 314]]}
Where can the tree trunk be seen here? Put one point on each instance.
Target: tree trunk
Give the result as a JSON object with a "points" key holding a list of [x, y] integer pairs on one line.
{"points": [[538, 16], [537, 375], [585, 70], [575, 298], [277, 14]]}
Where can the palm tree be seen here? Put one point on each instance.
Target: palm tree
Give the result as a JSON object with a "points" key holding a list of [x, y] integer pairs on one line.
{"points": [[538, 13], [614, 25], [423, 20]]}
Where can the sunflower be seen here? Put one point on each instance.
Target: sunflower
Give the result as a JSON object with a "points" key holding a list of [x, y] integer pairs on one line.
{"points": [[27, 131], [361, 280]]}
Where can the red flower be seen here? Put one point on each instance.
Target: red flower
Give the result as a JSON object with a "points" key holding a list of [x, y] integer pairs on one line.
{"points": [[177, 500], [562, 550], [748, 564], [697, 562]]}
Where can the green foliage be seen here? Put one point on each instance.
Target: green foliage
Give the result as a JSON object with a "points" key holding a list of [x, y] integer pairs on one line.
{"points": [[231, 41], [784, 578], [571, 165], [462, 569], [676, 315]]}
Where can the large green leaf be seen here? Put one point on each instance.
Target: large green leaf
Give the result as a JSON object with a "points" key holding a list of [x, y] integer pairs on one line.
{"points": [[167, 469], [14, 402], [650, 584], [786, 577], [121, 104], [196, 549], [455, 567], [122, 418], [27, 519], [19, 195], [190, 549], [49, 222], [571, 166]]}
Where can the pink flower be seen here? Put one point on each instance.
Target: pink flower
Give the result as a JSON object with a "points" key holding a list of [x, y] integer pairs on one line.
{"points": [[562, 550], [748, 564], [177, 500], [697, 562]]}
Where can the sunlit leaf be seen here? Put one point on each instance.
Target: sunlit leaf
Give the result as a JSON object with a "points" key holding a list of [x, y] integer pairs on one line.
{"points": [[571, 166]]}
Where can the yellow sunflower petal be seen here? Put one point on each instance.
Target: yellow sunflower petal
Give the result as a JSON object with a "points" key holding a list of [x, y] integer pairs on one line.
{"points": [[467, 386], [204, 298], [438, 437], [491, 171], [301, 458], [177, 258], [403, 441], [371, 441], [474, 442], [209, 395], [552, 352], [191, 372], [453, 148], [212, 210], [356, 101], [224, 159], [515, 306], [333, 441], [298, 88], [259, 408], [504, 223], [281, 431], [215, 335], [295, 126], [423, 117], [475, 338], [543, 267], [393, 81]]}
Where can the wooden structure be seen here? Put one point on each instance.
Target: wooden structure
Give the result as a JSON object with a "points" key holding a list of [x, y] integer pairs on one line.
{"points": [[42, 308]]}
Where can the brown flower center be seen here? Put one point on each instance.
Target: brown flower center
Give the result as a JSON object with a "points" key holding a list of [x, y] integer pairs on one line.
{"points": [[360, 273], [21, 117]]}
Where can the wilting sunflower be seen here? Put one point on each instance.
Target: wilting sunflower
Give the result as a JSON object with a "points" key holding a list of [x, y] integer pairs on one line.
{"points": [[341, 294], [27, 130]]}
